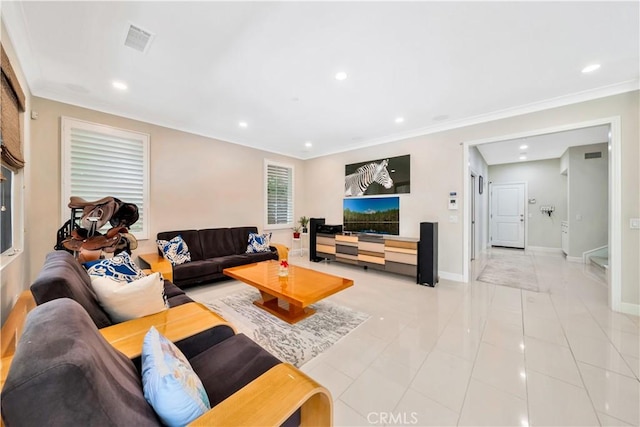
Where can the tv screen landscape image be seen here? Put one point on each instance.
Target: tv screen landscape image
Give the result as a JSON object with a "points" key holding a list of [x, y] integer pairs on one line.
{"points": [[379, 215]]}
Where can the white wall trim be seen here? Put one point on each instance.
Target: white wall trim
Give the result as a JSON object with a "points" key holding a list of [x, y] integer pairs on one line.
{"points": [[615, 198], [561, 101], [587, 254], [629, 308], [576, 259], [451, 276]]}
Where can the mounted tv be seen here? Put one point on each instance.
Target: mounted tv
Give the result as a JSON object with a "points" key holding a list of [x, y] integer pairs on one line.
{"points": [[378, 215]]}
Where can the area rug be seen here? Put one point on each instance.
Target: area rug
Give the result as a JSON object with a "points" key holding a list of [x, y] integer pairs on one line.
{"points": [[514, 270], [296, 344]]}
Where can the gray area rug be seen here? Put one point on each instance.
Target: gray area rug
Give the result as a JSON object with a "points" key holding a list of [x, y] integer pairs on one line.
{"points": [[296, 344], [514, 270]]}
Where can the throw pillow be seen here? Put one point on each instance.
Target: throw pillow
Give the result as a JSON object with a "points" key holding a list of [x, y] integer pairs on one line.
{"points": [[125, 301], [169, 383], [120, 268], [258, 243], [175, 250]]}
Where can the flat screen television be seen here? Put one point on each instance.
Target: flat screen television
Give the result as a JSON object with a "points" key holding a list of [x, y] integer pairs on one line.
{"points": [[378, 215]]}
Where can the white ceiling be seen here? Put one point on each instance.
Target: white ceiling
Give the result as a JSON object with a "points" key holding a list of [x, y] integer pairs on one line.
{"points": [[542, 147], [272, 64]]}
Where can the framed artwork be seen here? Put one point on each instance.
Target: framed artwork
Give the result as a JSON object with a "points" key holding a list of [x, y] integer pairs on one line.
{"points": [[481, 186], [391, 175]]}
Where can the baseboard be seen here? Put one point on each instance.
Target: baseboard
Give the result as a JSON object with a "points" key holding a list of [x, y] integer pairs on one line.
{"points": [[629, 308], [577, 259], [451, 276], [545, 249]]}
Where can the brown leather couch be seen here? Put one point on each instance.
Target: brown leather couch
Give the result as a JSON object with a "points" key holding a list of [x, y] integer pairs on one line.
{"points": [[212, 250]]}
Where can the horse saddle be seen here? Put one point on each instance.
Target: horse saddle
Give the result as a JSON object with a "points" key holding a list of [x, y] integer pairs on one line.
{"points": [[108, 209]]}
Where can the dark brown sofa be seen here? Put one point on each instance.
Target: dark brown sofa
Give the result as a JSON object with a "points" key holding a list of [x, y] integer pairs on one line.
{"points": [[62, 276], [64, 372], [212, 250]]}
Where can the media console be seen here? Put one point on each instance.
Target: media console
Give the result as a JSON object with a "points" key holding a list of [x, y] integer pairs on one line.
{"points": [[408, 256]]}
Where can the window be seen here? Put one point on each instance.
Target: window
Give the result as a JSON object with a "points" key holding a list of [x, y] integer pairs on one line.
{"points": [[278, 195], [100, 161], [6, 210]]}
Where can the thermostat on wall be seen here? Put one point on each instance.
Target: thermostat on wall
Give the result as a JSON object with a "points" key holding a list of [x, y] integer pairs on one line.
{"points": [[453, 201]]}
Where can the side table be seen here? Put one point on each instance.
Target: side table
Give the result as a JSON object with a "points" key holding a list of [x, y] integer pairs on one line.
{"points": [[301, 242], [157, 263]]}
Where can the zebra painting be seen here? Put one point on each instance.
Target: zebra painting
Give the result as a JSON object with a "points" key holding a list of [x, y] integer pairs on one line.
{"points": [[357, 183]]}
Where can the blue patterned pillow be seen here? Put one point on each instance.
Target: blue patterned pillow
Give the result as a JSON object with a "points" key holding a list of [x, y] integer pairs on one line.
{"points": [[169, 383], [258, 243], [175, 250], [120, 268]]}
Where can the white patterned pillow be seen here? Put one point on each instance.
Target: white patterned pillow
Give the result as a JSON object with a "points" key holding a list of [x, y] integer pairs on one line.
{"points": [[258, 243], [175, 250], [120, 268]]}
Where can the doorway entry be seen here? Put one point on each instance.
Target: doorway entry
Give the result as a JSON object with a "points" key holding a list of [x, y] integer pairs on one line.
{"points": [[507, 215], [614, 205]]}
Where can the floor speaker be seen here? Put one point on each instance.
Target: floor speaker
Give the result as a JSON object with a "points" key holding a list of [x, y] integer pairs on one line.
{"points": [[313, 230], [428, 254]]}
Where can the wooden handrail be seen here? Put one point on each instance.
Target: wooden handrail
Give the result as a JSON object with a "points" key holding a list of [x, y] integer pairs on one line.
{"points": [[12, 327], [176, 323], [272, 398]]}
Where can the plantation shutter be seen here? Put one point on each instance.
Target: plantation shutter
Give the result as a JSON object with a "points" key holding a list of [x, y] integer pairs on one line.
{"points": [[279, 195], [103, 162]]}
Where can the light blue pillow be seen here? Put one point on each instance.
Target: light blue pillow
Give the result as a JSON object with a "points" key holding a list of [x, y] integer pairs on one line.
{"points": [[175, 250], [120, 268], [169, 383], [258, 243]]}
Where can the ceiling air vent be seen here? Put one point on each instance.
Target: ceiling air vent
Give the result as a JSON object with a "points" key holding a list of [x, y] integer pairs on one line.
{"points": [[138, 39], [594, 155]]}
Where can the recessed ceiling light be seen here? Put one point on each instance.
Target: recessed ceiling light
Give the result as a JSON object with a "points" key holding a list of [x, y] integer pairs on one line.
{"points": [[308, 144], [341, 75], [243, 124], [399, 119], [590, 68], [119, 85], [523, 157], [524, 147]]}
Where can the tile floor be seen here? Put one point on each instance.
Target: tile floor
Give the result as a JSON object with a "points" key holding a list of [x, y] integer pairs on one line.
{"points": [[479, 354]]}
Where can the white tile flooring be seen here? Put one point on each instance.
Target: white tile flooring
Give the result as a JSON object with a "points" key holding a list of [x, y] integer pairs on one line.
{"points": [[479, 354]]}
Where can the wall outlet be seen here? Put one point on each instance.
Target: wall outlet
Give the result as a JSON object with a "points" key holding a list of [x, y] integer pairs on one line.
{"points": [[634, 223], [579, 217], [453, 218]]}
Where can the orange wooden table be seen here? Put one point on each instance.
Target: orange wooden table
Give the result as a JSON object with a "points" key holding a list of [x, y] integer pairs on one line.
{"points": [[288, 297]]}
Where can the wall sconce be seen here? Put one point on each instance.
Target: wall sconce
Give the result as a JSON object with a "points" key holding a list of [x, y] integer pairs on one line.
{"points": [[547, 209]]}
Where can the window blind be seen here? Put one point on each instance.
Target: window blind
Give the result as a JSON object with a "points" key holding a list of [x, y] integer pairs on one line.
{"points": [[102, 164], [279, 195]]}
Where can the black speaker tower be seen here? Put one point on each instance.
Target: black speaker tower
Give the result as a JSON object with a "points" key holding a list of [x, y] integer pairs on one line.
{"points": [[428, 254], [313, 230]]}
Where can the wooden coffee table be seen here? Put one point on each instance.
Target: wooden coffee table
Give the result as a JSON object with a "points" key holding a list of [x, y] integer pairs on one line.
{"points": [[288, 297]]}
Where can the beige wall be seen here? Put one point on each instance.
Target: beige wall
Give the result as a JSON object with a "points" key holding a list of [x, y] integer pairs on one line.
{"points": [[436, 165], [588, 199], [195, 182], [548, 187], [13, 270]]}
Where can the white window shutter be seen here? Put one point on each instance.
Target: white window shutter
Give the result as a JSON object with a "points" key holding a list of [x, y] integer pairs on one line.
{"points": [[101, 161], [279, 195]]}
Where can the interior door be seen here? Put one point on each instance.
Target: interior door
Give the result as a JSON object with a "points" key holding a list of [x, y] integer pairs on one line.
{"points": [[508, 215], [472, 241]]}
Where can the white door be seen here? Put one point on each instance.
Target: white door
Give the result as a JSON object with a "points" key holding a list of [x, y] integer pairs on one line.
{"points": [[473, 217], [507, 215]]}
